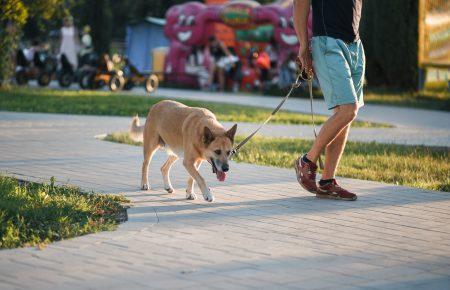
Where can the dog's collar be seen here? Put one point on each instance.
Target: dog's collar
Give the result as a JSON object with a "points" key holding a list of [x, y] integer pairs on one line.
{"points": [[214, 168]]}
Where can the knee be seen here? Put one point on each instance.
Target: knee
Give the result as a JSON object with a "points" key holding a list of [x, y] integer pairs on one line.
{"points": [[349, 112]]}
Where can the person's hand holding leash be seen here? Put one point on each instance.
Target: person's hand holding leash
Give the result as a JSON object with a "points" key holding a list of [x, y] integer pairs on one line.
{"points": [[304, 57], [304, 63]]}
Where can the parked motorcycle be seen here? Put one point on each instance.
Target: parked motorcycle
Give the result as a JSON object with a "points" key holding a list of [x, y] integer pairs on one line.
{"points": [[133, 77], [101, 73], [41, 68]]}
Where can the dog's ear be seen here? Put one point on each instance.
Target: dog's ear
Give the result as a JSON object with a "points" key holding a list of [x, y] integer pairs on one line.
{"points": [[208, 136], [230, 133]]}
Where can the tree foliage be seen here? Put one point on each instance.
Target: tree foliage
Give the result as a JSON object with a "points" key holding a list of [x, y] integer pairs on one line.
{"points": [[13, 15], [390, 36]]}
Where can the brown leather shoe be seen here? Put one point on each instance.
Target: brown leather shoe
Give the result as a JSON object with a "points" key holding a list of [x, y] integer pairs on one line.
{"points": [[306, 174], [332, 190]]}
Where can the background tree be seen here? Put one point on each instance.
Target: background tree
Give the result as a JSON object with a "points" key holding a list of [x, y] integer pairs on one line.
{"points": [[389, 30], [13, 15]]}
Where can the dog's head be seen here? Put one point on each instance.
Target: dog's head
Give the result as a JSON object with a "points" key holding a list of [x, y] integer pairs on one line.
{"points": [[218, 149]]}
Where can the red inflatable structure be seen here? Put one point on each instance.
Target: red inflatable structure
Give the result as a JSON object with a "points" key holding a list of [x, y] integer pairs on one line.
{"points": [[192, 23]]}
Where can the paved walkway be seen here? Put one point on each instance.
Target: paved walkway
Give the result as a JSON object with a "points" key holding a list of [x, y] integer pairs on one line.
{"points": [[263, 231]]}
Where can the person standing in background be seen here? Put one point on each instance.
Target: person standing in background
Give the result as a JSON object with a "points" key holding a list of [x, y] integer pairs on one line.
{"points": [[69, 41], [86, 41]]}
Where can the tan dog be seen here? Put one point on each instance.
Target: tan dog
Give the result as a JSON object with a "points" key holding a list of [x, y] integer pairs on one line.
{"points": [[191, 133]]}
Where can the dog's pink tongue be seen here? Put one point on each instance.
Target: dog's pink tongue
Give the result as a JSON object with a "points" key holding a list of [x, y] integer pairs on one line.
{"points": [[221, 175]]}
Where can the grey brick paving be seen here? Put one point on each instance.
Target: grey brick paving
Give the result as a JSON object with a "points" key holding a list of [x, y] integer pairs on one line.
{"points": [[263, 231]]}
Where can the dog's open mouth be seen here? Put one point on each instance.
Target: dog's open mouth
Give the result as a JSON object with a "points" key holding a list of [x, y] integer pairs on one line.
{"points": [[219, 173]]}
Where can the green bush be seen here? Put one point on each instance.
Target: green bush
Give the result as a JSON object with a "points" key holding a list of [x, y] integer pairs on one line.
{"points": [[389, 30]]}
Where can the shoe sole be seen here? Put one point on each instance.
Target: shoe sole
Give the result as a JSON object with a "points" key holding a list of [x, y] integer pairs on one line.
{"points": [[335, 197], [297, 174]]}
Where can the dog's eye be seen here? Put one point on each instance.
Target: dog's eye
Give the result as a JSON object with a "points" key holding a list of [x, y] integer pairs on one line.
{"points": [[218, 152]]}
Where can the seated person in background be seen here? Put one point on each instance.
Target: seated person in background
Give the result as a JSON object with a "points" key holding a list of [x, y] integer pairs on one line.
{"points": [[233, 68], [198, 64], [86, 41], [287, 71], [106, 64], [263, 67], [271, 49], [218, 52]]}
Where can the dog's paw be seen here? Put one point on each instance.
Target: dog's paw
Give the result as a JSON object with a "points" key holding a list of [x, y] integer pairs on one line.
{"points": [[208, 196], [145, 187], [191, 195], [169, 189]]}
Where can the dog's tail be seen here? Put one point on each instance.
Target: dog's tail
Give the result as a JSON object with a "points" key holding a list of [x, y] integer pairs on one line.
{"points": [[136, 131]]}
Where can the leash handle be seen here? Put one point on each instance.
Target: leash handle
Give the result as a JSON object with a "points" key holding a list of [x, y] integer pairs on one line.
{"points": [[305, 75]]}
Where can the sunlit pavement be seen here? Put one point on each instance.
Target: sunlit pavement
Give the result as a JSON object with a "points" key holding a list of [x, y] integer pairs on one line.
{"points": [[263, 231]]}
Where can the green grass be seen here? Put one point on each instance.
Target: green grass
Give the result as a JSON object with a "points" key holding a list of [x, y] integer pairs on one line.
{"points": [[434, 97], [428, 99], [416, 166], [107, 103], [36, 214]]}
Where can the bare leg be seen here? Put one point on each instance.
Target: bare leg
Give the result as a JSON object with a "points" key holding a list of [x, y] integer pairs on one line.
{"points": [[165, 170], [190, 167], [190, 194], [333, 153], [342, 117]]}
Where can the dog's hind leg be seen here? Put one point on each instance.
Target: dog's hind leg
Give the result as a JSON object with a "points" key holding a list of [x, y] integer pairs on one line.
{"points": [[150, 148], [190, 194], [165, 170]]}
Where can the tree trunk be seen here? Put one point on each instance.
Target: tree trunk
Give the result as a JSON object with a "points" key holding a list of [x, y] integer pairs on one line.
{"points": [[8, 46]]}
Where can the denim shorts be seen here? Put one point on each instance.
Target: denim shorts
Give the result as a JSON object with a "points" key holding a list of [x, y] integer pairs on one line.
{"points": [[340, 68]]}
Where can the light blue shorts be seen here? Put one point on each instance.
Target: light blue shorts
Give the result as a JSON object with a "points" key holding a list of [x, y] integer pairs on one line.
{"points": [[340, 68]]}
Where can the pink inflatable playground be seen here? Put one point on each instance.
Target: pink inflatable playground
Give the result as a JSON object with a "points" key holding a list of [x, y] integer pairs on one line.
{"points": [[246, 31]]}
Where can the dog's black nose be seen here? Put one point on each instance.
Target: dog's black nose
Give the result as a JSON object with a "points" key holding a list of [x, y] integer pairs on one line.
{"points": [[225, 167]]}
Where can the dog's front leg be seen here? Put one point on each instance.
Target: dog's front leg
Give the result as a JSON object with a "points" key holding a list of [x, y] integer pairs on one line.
{"points": [[193, 172], [190, 194]]}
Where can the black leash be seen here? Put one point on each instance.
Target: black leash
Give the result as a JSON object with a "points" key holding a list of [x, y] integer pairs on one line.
{"points": [[302, 76]]}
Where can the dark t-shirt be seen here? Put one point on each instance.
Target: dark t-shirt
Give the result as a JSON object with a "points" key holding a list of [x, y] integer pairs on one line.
{"points": [[337, 18]]}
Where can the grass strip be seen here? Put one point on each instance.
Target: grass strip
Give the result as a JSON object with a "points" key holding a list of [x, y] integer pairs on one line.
{"points": [[36, 214], [116, 104]]}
